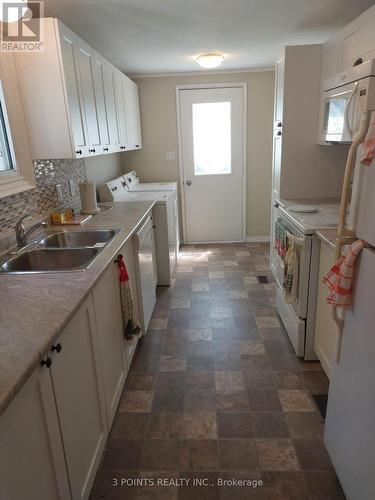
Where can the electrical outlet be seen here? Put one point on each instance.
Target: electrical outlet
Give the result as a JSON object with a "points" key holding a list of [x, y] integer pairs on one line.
{"points": [[171, 156], [72, 188], [59, 193]]}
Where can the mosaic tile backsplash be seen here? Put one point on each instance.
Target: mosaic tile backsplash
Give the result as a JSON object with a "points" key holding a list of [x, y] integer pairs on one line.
{"points": [[39, 202]]}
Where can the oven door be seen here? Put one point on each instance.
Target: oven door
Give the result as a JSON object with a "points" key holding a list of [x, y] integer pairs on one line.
{"points": [[304, 254], [340, 113]]}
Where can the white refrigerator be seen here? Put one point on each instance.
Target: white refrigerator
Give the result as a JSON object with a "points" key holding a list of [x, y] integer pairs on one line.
{"points": [[350, 421]]}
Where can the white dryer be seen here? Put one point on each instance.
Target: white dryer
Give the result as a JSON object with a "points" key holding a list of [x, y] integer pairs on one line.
{"points": [[133, 184], [163, 214]]}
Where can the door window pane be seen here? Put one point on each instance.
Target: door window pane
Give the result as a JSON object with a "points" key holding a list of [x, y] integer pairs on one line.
{"points": [[212, 138]]}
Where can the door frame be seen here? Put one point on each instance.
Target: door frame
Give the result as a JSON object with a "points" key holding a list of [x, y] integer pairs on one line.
{"points": [[243, 86]]}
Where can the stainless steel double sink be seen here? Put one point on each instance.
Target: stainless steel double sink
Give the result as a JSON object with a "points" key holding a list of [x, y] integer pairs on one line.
{"points": [[59, 251]]}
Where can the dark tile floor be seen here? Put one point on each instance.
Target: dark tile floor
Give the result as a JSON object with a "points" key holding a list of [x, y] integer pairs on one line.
{"points": [[215, 392]]}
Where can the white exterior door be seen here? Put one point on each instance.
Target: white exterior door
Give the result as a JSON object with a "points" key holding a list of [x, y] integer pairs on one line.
{"points": [[213, 166]]}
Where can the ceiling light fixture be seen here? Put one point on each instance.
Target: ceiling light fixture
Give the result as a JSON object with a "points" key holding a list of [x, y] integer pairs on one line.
{"points": [[210, 61]]}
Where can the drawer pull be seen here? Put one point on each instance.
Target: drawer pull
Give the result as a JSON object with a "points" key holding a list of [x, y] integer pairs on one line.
{"points": [[56, 348]]}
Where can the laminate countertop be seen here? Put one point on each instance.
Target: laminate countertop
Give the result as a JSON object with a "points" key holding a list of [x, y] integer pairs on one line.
{"points": [[35, 308]]}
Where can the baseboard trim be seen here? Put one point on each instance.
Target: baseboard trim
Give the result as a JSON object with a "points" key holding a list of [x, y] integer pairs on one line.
{"points": [[257, 239]]}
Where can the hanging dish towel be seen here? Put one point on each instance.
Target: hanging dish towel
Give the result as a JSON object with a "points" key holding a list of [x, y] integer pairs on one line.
{"points": [[368, 148], [280, 238], [130, 327], [290, 285], [339, 278]]}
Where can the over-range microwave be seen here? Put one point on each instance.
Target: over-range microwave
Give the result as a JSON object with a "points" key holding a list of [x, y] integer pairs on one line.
{"points": [[345, 98]]}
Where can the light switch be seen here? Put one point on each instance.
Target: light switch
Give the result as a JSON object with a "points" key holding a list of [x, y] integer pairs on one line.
{"points": [[171, 156], [59, 193]]}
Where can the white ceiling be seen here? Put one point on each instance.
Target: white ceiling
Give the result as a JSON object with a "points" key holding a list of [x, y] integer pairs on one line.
{"points": [[161, 36]]}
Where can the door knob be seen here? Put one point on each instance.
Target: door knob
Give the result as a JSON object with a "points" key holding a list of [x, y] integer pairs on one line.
{"points": [[188, 182]]}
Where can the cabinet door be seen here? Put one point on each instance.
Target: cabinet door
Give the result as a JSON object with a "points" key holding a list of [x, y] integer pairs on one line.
{"points": [[31, 453], [77, 382], [326, 332], [127, 252], [98, 73], [279, 94], [84, 54], [276, 163], [107, 305], [120, 109], [133, 116], [73, 92], [108, 71]]}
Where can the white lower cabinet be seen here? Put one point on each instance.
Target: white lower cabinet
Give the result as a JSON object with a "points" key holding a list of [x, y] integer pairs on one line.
{"points": [[326, 333], [107, 304], [32, 464], [79, 393], [53, 434]]}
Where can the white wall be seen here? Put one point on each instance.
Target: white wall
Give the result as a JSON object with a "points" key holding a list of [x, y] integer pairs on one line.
{"points": [[103, 168], [159, 133]]}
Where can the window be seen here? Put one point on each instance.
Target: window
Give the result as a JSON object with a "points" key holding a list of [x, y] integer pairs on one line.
{"points": [[6, 156], [212, 138]]}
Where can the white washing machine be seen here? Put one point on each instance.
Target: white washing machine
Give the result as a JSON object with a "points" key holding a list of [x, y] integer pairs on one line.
{"points": [[163, 214], [133, 184]]}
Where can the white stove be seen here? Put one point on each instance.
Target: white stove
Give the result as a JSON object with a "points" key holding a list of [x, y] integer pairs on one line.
{"points": [[298, 316], [325, 216]]}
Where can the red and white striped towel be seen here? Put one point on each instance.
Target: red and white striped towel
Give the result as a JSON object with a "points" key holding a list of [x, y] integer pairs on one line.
{"points": [[368, 148], [339, 278]]}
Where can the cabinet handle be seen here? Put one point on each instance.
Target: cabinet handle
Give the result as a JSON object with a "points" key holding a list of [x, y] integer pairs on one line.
{"points": [[91, 150], [46, 362], [276, 205], [79, 152], [279, 124], [105, 149], [279, 132], [56, 347], [137, 145], [122, 147]]}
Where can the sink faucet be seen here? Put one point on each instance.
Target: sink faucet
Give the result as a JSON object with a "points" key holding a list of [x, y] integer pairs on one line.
{"points": [[22, 234]]}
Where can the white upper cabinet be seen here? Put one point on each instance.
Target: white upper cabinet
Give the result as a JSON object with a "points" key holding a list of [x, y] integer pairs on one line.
{"points": [[279, 94], [104, 84], [73, 92], [84, 56], [73, 99], [133, 123], [120, 108]]}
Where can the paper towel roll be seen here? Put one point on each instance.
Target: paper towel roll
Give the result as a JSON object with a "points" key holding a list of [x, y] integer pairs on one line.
{"points": [[87, 191]]}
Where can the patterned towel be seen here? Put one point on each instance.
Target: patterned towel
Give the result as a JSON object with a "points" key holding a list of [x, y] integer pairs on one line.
{"points": [[290, 284], [130, 327], [339, 278], [280, 238], [368, 148]]}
